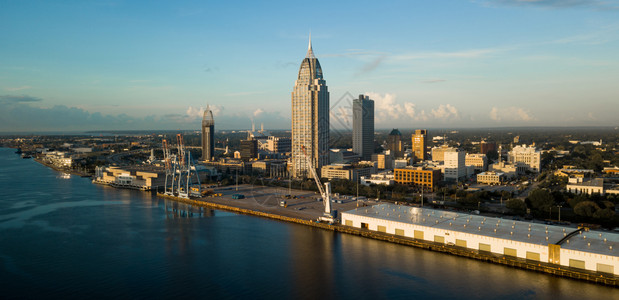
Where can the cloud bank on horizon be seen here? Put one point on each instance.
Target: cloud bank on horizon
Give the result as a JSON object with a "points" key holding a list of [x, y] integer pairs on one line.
{"points": [[478, 63]]}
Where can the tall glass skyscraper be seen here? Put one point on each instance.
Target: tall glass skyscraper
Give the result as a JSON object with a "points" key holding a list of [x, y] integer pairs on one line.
{"points": [[208, 135], [363, 127], [419, 141], [310, 117]]}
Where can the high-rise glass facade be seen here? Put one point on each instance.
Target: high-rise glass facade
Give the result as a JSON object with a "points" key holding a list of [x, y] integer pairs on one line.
{"points": [[208, 135], [394, 143], [363, 127], [310, 117], [418, 143]]}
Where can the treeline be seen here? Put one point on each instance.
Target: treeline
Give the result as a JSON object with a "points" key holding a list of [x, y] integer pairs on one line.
{"points": [[581, 208]]}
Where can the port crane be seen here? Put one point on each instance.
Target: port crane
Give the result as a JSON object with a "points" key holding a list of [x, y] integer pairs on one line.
{"points": [[181, 173], [324, 192]]}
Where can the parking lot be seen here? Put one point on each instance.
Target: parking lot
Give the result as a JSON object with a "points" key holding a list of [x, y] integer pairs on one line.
{"points": [[301, 204]]}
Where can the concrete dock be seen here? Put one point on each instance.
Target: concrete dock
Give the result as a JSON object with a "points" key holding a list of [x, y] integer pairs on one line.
{"points": [[305, 209]]}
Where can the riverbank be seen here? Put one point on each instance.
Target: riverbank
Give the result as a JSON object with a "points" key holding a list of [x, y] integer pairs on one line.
{"points": [[293, 216], [64, 170]]}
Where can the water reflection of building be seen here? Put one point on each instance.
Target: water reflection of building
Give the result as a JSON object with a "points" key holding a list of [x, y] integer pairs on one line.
{"points": [[314, 267], [179, 210]]}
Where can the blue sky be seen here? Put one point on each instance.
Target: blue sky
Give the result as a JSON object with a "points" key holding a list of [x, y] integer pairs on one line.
{"points": [[74, 65]]}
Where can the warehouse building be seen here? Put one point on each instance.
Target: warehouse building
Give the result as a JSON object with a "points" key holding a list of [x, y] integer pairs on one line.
{"points": [[565, 246], [136, 177]]}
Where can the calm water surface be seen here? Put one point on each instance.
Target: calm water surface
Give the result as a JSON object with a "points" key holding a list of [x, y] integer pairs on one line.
{"points": [[64, 237]]}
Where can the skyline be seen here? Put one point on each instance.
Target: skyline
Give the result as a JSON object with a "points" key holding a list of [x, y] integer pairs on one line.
{"points": [[133, 66]]}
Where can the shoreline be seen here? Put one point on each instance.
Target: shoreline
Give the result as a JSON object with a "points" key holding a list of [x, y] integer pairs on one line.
{"points": [[541, 267], [561, 271], [67, 171]]}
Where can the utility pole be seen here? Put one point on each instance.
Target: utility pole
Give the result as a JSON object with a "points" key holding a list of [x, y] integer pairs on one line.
{"points": [[422, 196], [358, 190], [550, 212]]}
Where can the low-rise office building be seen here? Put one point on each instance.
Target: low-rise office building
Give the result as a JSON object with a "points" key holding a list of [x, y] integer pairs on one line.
{"points": [[572, 172], [611, 170], [578, 185], [479, 161], [383, 178], [384, 161], [438, 153], [279, 144], [491, 178], [346, 171], [417, 176]]}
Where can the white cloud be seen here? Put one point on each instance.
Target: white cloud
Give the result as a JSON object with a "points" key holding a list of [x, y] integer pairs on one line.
{"points": [[422, 116], [192, 113], [472, 53], [436, 80], [445, 111], [511, 113], [20, 88], [409, 109], [258, 112], [387, 109]]}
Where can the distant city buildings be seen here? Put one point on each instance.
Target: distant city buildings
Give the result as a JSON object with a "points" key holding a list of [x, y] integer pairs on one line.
{"points": [[455, 165], [347, 171], [578, 185], [394, 143], [419, 146], [208, 135], [249, 149], [383, 179], [342, 156], [611, 170], [58, 158], [363, 127], [569, 171], [310, 117], [491, 178], [400, 163], [526, 156], [479, 161], [417, 176], [485, 147], [384, 161], [438, 153], [279, 144]]}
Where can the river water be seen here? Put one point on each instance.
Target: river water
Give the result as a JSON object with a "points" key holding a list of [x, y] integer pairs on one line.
{"points": [[63, 237]]}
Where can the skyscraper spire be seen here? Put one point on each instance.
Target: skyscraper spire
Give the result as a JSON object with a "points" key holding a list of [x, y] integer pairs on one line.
{"points": [[310, 52], [310, 117]]}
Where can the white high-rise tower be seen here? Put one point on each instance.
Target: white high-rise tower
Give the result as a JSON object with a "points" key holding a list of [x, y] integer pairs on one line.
{"points": [[310, 116]]}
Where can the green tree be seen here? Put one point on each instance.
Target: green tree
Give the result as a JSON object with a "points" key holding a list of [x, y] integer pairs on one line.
{"points": [[540, 200], [516, 206], [586, 209]]}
